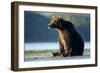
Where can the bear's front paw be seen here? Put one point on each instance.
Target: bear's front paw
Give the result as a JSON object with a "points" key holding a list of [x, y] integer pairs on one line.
{"points": [[55, 53]]}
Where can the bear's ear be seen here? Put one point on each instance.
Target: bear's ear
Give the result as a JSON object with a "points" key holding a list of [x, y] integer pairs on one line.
{"points": [[53, 17], [59, 17]]}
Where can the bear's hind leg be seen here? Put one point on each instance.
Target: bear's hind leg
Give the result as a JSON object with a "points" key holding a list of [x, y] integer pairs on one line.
{"points": [[65, 54], [76, 53]]}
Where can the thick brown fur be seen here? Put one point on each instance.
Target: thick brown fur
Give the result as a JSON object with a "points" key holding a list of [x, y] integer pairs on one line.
{"points": [[70, 42]]}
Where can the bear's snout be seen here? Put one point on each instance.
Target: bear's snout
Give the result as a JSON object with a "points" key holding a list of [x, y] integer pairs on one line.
{"points": [[52, 26]]}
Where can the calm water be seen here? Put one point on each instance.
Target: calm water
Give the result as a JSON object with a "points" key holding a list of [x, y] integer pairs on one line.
{"points": [[47, 46]]}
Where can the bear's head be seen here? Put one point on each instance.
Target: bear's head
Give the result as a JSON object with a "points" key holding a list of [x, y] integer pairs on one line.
{"points": [[61, 24], [55, 22]]}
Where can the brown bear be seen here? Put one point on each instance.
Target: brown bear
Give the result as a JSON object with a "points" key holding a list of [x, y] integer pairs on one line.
{"points": [[70, 42]]}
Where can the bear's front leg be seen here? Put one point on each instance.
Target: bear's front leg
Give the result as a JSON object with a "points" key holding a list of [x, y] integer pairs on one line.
{"points": [[66, 49], [61, 48]]}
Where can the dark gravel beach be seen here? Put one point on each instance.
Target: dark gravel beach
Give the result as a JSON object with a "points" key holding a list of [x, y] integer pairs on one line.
{"points": [[48, 56]]}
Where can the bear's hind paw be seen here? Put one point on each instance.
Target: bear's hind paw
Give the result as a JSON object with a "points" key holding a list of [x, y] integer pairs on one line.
{"points": [[65, 54]]}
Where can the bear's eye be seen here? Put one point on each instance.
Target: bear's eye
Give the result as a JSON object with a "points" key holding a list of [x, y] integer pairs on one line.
{"points": [[54, 21]]}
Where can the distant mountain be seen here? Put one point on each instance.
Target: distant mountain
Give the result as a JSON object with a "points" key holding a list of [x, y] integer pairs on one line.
{"points": [[36, 28]]}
